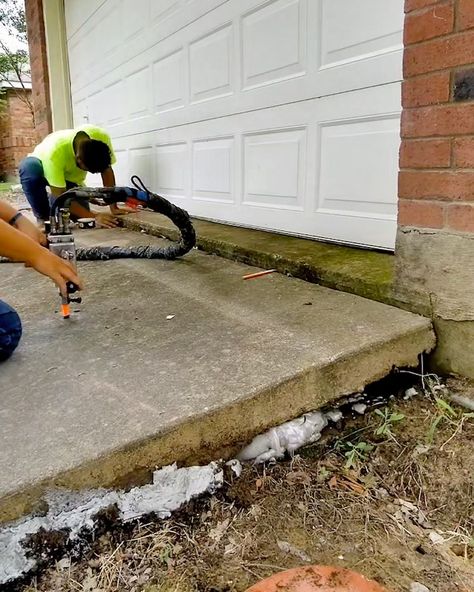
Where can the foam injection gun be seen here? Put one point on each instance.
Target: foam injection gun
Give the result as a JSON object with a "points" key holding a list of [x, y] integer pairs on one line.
{"points": [[61, 243]]}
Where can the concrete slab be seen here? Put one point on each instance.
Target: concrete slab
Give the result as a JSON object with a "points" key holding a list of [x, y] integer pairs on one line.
{"points": [[120, 389], [362, 272]]}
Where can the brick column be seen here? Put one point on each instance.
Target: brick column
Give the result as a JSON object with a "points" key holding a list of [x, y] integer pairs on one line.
{"points": [[39, 66], [435, 242]]}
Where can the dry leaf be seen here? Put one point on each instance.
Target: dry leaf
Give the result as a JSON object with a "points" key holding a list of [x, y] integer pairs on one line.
{"points": [[347, 483]]}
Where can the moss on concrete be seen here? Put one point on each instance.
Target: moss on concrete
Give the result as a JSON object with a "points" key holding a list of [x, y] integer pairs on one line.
{"points": [[365, 273]]}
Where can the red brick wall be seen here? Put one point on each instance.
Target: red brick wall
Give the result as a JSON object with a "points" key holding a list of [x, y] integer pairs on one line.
{"points": [[17, 131], [436, 185], [39, 66]]}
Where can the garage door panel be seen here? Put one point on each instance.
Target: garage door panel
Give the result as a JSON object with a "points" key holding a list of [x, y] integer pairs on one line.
{"points": [[104, 38], [172, 170], [96, 107], [210, 65], [274, 168], [316, 174], [104, 25], [287, 71], [78, 13], [276, 114], [115, 105], [353, 185], [161, 11], [80, 112], [135, 17], [213, 170], [258, 98], [138, 94], [273, 42], [121, 168], [141, 161], [352, 31], [169, 80], [92, 47]]}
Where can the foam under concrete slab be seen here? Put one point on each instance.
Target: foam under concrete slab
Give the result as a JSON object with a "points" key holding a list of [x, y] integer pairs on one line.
{"points": [[121, 388]]}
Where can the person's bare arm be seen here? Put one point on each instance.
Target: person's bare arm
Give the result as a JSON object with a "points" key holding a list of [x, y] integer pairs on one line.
{"points": [[8, 212], [17, 246], [105, 220], [108, 180], [76, 208]]}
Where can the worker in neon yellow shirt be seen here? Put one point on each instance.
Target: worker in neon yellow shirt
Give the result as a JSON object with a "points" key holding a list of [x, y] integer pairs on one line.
{"points": [[62, 161]]}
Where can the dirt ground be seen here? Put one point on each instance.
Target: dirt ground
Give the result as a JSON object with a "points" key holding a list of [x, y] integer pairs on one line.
{"points": [[390, 495]]}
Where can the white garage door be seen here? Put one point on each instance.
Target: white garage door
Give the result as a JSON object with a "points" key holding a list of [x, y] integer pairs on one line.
{"points": [[274, 114]]}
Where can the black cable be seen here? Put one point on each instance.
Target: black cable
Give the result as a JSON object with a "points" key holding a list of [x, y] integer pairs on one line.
{"points": [[139, 193]]}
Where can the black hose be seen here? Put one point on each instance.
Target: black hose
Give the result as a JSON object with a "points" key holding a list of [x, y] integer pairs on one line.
{"points": [[139, 194], [101, 253]]}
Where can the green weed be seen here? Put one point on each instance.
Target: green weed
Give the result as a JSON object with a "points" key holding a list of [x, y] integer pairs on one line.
{"points": [[357, 453], [447, 414], [389, 419]]}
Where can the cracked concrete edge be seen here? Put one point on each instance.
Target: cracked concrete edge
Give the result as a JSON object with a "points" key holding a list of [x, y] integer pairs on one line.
{"points": [[298, 268], [455, 351], [221, 433]]}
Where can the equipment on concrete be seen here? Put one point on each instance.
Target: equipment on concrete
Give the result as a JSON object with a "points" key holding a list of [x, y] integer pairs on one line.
{"points": [[61, 239], [61, 243]]}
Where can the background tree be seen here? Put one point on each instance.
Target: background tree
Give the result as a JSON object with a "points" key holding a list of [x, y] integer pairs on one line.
{"points": [[14, 62]]}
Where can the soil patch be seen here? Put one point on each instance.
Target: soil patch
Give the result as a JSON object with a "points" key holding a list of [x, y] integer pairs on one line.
{"points": [[390, 496]]}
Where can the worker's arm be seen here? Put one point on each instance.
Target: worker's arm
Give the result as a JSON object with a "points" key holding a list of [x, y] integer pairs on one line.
{"points": [[105, 220], [17, 246], [108, 177], [108, 180], [21, 223]]}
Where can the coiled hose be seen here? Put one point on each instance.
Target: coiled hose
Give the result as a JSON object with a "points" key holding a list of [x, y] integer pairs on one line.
{"points": [[137, 195]]}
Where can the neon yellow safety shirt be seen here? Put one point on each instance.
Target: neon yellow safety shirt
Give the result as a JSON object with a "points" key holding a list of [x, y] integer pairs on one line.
{"points": [[57, 155]]}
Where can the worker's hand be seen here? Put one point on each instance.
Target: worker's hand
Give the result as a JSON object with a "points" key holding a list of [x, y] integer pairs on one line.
{"points": [[116, 211], [27, 227], [106, 220], [54, 267]]}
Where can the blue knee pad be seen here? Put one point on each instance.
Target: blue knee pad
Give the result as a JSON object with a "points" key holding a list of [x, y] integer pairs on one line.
{"points": [[10, 330]]}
